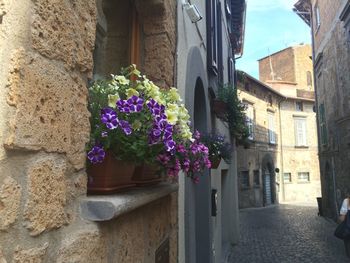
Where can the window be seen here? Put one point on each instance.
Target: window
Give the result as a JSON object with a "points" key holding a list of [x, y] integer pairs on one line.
{"points": [[287, 177], [308, 78], [250, 120], [300, 131], [244, 178], [219, 43], [299, 106], [323, 128], [212, 24], [231, 70], [271, 127], [116, 45], [256, 177], [303, 177], [317, 17]]}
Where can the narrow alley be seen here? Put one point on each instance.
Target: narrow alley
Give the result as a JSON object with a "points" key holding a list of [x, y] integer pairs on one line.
{"points": [[286, 233]]}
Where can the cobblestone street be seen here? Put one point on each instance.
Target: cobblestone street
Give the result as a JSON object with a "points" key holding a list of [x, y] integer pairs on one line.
{"points": [[286, 233]]}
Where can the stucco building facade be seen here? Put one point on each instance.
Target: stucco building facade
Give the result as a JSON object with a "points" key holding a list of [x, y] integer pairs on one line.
{"points": [[206, 55], [330, 30], [281, 117]]}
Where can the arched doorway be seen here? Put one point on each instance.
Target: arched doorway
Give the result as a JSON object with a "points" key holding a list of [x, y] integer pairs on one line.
{"points": [[269, 185], [197, 197]]}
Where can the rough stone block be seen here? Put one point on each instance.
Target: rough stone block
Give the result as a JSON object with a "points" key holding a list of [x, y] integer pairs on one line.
{"points": [[159, 59], [50, 108], [87, 247], [10, 198], [2, 257], [65, 30], [131, 236], [33, 255], [45, 208]]}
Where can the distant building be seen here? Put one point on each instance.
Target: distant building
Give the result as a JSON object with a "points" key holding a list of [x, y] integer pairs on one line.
{"points": [[279, 163], [330, 29]]}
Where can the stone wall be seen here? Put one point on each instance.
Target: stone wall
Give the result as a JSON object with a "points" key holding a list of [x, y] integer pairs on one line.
{"points": [[285, 155], [46, 56], [332, 79], [251, 159]]}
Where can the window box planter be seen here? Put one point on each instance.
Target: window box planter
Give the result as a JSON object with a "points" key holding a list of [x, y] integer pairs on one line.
{"points": [[110, 176], [215, 162], [146, 174], [219, 108]]}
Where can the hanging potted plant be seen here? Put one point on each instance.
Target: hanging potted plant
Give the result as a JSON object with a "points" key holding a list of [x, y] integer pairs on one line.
{"points": [[218, 149], [133, 122], [235, 114]]}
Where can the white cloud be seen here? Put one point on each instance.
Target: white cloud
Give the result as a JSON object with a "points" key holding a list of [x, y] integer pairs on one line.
{"points": [[265, 5]]}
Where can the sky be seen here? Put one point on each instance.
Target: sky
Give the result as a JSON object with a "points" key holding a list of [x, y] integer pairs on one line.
{"points": [[271, 25]]}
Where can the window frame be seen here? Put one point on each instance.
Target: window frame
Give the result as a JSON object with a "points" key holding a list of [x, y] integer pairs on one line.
{"points": [[323, 127], [271, 124], [231, 70], [244, 175], [317, 17], [302, 180], [250, 119], [303, 142], [212, 41], [299, 108], [289, 178]]}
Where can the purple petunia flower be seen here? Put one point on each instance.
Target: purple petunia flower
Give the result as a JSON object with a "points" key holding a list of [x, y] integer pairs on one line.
{"points": [[123, 106], [126, 127], [170, 145], [104, 134], [197, 135], [135, 104], [163, 159], [109, 117], [186, 165], [96, 154], [156, 108]]}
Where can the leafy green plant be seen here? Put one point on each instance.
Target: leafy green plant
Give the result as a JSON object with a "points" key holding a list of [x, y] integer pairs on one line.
{"points": [[234, 116], [218, 147]]}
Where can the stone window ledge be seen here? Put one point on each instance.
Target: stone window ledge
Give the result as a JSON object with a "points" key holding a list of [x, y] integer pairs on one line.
{"points": [[107, 207]]}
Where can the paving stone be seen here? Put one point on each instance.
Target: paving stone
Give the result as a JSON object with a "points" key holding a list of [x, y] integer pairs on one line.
{"points": [[286, 233]]}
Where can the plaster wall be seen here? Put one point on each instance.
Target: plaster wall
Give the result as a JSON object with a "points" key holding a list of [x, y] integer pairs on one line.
{"points": [[300, 159], [192, 38]]}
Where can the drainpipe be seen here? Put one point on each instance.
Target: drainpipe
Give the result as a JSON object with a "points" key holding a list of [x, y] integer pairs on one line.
{"points": [[281, 149]]}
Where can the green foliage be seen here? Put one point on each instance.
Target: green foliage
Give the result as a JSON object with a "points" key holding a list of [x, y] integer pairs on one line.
{"points": [[235, 116]]}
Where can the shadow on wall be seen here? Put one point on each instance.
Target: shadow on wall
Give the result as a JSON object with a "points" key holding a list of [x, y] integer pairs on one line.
{"points": [[258, 182]]}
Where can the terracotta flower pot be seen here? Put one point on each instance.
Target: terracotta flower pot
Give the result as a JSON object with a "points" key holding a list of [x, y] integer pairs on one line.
{"points": [[219, 108], [146, 174], [109, 176], [215, 162]]}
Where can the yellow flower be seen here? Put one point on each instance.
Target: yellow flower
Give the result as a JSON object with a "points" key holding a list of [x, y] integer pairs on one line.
{"points": [[171, 116], [136, 125], [131, 92], [112, 100], [174, 95], [173, 107], [183, 113], [122, 80], [159, 99]]}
